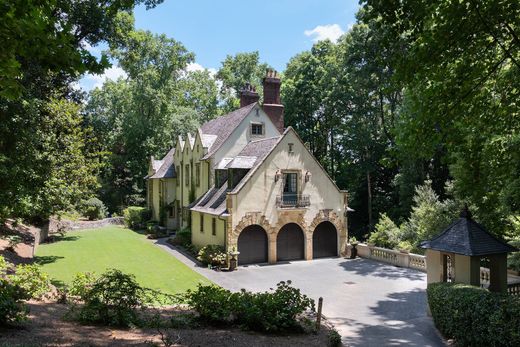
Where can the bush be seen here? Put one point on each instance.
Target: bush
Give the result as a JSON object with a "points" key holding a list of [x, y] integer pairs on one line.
{"points": [[135, 216], [4, 266], [81, 284], [404, 246], [213, 255], [94, 209], [214, 304], [182, 237], [334, 338], [474, 316], [31, 280], [267, 312], [386, 233], [12, 307]]}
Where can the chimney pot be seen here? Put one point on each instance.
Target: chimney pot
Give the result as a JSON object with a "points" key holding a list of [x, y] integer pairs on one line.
{"points": [[248, 95], [272, 105]]}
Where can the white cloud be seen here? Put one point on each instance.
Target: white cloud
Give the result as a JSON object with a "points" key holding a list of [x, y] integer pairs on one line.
{"points": [[324, 32], [96, 81], [197, 67]]}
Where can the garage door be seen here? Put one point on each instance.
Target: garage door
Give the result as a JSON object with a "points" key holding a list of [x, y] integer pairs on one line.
{"points": [[252, 245], [325, 241], [290, 243]]}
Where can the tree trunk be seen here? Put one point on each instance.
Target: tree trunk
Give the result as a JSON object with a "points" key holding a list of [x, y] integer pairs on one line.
{"points": [[369, 202]]}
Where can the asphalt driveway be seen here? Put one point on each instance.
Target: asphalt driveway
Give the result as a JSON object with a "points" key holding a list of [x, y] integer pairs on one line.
{"points": [[370, 303]]}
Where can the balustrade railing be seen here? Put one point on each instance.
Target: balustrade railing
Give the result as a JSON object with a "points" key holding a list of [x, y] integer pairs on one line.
{"points": [[293, 200], [513, 289]]}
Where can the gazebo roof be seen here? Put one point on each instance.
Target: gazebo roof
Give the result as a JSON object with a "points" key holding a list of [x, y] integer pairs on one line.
{"points": [[467, 237]]}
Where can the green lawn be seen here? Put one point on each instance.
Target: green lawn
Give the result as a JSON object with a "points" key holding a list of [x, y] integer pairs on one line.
{"points": [[115, 247]]}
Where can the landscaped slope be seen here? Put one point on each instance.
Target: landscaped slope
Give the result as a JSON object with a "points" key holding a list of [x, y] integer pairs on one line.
{"points": [[115, 247]]}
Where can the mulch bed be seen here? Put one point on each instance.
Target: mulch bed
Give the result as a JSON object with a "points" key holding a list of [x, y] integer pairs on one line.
{"points": [[47, 327]]}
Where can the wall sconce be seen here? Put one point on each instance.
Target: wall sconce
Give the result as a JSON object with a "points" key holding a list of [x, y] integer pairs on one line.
{"points": [[308, 176], [277, 175]]}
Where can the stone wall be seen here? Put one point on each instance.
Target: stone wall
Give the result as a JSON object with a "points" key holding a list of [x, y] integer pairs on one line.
{"points": [[56, 226]]}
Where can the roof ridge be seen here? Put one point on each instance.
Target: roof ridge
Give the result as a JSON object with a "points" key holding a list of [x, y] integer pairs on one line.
{"points": [[267, 138]]}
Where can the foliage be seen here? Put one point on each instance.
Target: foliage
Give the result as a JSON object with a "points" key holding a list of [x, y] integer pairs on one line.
{"points": [[214, 304], [405, 246], [212, 255], [94, 209], [113, 299], [31, 279], [81, 284], [12, 307], [334, 338], [473, 316], [275, 311], [235, 72], [182, 237], [135, 216], [513, 259], [386, 233], [4, 266]]}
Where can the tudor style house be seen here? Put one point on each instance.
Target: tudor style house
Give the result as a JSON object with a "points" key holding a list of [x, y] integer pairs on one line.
{"points": [[245, 182]]}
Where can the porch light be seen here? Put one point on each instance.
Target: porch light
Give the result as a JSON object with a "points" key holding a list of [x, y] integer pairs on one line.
{"points": [[277, 175], [308, 176]]}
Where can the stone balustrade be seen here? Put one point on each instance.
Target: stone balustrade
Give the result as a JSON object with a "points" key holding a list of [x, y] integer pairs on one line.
{"points": [[390, 256]]}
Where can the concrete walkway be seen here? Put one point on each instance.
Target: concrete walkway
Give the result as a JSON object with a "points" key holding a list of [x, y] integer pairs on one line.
{"points": [[370, 303]]}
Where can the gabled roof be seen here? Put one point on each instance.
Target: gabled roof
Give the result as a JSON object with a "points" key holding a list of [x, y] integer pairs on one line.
{"points": [[223, 126], [467, 237], [166, 168]]}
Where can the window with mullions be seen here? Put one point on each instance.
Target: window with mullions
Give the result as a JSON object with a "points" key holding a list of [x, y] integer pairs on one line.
{"points": [[257, 129], [290, 188]]}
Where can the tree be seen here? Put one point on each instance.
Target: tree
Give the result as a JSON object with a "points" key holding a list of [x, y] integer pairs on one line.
{"points": [[235, 72]]}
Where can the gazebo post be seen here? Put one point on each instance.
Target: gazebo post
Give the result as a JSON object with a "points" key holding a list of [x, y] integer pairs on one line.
{"points": [[498, 273], [467, 270]]}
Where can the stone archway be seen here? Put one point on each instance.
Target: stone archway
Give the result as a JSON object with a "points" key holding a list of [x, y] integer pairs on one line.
{"points": [[325, 240], [290, 243], [252, 245]]}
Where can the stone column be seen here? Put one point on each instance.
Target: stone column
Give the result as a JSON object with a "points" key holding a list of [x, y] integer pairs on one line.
{"points": [[434, 269], [308, 246], [498, 273], [271, 248]]}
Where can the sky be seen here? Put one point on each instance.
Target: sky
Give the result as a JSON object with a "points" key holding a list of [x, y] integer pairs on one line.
{"points": [[212, 29]]}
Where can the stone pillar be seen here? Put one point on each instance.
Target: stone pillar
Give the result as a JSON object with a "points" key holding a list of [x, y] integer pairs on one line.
{"points": [[498, 273], [308, 246], [271, 248], [434, 268]]}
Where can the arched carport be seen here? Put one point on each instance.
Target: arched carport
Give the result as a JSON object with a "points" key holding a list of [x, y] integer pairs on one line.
{"points": [[252, 245], [290, 243], [325, 240]]}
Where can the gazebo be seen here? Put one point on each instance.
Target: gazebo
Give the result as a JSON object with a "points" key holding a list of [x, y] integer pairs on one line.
{"points": [[455, 254]]}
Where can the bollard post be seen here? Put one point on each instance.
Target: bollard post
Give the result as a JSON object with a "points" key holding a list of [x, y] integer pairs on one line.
{"points": [[318, 320]]}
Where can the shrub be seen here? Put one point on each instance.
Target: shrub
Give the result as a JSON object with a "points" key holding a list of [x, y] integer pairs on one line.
{"points": [[81, 284], [474, 316], [214, 304], [31, 280], [135, 216], [4, 266], [386, 233], [272, 311], [213, 255], [113, 300], [93, 209], [12, 307], [182, 237], [333, 338], [404, 246], [268, 312]]}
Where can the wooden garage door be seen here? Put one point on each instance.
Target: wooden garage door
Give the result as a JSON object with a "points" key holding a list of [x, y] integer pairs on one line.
{"points": [[290, 243], [325, 241], [252, 245]]}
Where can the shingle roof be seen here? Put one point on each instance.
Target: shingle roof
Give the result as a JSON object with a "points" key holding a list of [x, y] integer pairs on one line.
{"points": [[223, 127], [213, 202], [166, 169], [467, 237]]}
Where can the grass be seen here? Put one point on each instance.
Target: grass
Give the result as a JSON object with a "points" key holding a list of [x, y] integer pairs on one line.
{"points": [[114, 247]]}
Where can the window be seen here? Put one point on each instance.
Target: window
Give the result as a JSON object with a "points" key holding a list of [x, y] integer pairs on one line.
{"points": [[187, 175], [197, 174], [201, 221], [257, 129], [178, 175], [290, 187], [171, 211], [291, 147], [214, 226]]}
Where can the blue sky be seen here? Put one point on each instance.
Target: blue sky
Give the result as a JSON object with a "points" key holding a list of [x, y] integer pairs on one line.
{"points": [[212, 29]]}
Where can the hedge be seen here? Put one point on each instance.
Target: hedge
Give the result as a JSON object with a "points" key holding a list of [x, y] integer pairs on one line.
{"points": [[474, 316]]}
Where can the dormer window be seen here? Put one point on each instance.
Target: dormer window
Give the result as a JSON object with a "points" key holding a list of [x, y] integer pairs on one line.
{"points": [[257, 129]]}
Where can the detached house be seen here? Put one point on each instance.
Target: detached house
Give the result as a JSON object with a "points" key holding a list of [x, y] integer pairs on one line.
{"points": [[245, 182]]}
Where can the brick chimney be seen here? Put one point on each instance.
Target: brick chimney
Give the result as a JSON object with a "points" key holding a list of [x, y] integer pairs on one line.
{"points": [[248, 95], [272, 105]]}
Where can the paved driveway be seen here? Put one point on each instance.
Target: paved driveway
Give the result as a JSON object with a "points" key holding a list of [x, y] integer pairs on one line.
{"points": [[370, 303]]}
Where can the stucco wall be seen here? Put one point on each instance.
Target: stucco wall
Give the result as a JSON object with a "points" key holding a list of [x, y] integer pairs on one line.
{"points": [[241, 136], [201, 239]]}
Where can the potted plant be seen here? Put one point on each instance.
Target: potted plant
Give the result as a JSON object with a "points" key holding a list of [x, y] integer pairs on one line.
{"points": [[404, 247], [353, 250], [233, 260]]}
